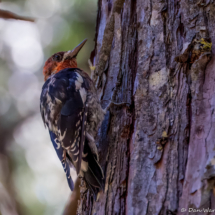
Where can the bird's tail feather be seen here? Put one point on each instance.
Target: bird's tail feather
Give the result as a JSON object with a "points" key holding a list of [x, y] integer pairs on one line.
{"points": [[94, 176], [94, 190]]}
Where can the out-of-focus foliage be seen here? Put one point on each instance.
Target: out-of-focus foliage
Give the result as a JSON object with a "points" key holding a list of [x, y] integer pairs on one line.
{"points": [[32, 180]]}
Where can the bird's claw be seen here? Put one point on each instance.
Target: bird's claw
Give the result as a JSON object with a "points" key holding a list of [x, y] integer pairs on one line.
{"points": [[111, 104]]}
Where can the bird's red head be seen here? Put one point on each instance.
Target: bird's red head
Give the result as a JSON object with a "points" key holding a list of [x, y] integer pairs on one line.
{"points": [[61, 60]]}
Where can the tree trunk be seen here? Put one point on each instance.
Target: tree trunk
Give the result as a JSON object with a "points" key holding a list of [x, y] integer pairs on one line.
{"points": [[157, 147]]}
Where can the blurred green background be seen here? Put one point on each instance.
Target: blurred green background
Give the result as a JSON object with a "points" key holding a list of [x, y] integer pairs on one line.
{"points": [[32, 180]]}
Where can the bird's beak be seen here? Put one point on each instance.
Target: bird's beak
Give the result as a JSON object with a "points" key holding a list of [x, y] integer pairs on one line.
{"points": [[73, 53]]}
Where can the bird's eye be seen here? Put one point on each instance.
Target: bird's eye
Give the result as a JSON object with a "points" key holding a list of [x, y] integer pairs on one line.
{"points": [[57, 57]]}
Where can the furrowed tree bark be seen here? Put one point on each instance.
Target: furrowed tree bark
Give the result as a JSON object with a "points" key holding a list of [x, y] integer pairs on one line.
{"points": [[157, 148]]}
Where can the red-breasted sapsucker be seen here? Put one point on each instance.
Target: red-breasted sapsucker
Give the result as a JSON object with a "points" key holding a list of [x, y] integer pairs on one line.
{"points": [[71, 110]]}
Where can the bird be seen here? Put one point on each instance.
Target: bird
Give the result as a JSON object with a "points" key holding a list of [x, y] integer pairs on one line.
{"points": [[71, 111]]}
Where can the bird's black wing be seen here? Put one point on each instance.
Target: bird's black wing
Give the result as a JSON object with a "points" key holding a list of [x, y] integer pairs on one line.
{"points": [[65, 162], [63, 109]]}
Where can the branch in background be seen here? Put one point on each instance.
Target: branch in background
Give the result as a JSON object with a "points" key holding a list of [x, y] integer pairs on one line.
{"points": [[72, 204], [7, 202], [107, 43], [9, 15]]}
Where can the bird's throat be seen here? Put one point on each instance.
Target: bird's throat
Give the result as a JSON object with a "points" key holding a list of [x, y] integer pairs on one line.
{"points": [[66, 64]]}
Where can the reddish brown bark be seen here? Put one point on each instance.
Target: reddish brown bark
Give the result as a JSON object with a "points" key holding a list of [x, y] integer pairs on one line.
{"points": [[157, 148]]}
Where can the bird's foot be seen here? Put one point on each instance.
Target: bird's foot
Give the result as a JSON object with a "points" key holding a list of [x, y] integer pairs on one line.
{"points": [[111, 104]]}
